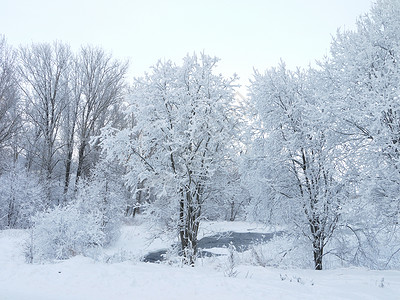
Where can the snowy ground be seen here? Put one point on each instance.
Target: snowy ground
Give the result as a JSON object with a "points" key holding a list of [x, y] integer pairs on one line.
{"points": [[124, 277]]}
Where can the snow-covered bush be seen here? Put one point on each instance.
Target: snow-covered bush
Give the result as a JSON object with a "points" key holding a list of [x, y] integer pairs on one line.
{"points": [[104, 195], [374, 248], [282, 251], [232, 262], [368, 236], [63, 232], [21, 196]]}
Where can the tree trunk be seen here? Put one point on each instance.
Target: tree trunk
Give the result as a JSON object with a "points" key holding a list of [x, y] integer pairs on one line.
{"points": [[189, 215], [318, 243], [67, 173], [318, 254], [81, 154], [232, 212]]}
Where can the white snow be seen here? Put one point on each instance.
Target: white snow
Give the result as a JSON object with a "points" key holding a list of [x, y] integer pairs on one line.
{"points": [[86, 278]]}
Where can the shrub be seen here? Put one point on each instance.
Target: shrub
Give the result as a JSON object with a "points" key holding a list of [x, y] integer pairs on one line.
{"points": [[63, 232], [21, 196], [282, 251]]}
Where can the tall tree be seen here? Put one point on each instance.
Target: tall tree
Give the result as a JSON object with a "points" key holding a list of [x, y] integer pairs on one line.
{"points": [[69, 122], [182, 132], [302, 156], [364, 74], [43, 70], [9, 116], [102, 81]]}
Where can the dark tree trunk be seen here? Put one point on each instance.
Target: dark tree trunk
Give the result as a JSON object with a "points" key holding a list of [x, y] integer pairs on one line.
{"points": [[318, 254], [232, 212], [70, 152], [67, 172], [189, 217], [318, 243], [81, 154]]}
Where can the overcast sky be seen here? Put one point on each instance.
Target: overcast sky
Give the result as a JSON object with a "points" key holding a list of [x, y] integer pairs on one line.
{"points": [[243, 33]]}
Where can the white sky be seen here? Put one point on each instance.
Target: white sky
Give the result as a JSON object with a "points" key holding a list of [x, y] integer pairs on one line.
{"points": [[243, 33]]}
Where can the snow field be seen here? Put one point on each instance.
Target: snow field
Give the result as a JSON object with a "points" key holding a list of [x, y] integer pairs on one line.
{"points": [[88, 278]]}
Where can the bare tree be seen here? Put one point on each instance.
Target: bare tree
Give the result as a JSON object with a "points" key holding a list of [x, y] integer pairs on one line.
{"points": [[102, 88], [69, 121], [44, 73], [9, 117]]}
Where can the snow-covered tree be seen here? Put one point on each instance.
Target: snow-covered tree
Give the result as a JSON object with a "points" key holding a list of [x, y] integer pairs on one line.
{"points": [[180, 138], [364, 74], [300, 156]]}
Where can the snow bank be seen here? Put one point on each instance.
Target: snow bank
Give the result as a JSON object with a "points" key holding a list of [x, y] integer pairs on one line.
{"points": [[86, 278]]}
